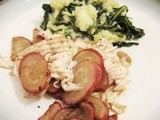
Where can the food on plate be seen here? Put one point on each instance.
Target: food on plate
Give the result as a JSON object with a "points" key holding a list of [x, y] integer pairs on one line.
{"points": [[101, 108], [34, 73], [62, 68], [88, 74], [84, 111], [125, 58], [19, 43], [105, 75], [91, 19], [52, 110], [89, 55], [54, 86], [91, 108], [94, 55], [104, 82], [77, 61], [63, 113], [36, 37]]}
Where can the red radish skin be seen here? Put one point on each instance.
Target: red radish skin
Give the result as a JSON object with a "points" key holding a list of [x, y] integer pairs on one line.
{"points": [[101, 108], [89, 55], [104, 83], [93, 55], [84, 111]]}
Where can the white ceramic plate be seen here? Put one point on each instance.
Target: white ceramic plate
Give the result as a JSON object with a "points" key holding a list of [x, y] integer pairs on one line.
{"points": [[19, 17]]}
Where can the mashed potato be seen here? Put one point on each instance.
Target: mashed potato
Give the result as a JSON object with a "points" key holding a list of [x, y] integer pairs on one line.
{"points": [[86, 16], [59, 4]]}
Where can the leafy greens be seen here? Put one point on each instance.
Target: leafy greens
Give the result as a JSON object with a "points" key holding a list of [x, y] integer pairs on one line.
{"points": [[116, 22]]}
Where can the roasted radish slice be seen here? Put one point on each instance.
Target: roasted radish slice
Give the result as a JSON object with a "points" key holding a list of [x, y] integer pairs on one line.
{"points": [[101, 108], [34, 73], [93, 55], [88, 74], [89, 55], [52, 110], [85, 111], [113, 117], [104, 83], [18, 45], [63, 114], [36, 37]]}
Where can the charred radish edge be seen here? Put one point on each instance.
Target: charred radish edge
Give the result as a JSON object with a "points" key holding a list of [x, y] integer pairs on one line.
{"points": [[19, 43], [85, 111], [87, 73], [89, 55], [52, 89], [88, 111], [125, 58], [36, 37], [101, 108], [57, 95], [104, 83], [113, 117], [52, 110], [34, 73]]}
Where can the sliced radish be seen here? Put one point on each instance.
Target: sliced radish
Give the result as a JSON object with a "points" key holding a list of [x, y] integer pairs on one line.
{"points": [[89, 55], [101, 108], [34, 73], [52, 110], [88, 74], [19, 43], [85, 111], [63, 114]]}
